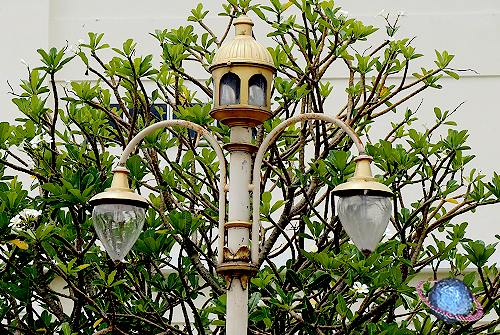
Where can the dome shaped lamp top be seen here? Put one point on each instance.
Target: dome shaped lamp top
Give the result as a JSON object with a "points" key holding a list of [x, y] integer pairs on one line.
{"points": [[243, 48]]}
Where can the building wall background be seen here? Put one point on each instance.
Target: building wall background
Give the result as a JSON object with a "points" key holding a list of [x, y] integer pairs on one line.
{"points": [[469, 30]]}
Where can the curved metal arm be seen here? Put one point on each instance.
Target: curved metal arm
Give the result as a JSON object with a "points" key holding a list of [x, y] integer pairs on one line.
{"points": [[271, 138], [215, 145]]}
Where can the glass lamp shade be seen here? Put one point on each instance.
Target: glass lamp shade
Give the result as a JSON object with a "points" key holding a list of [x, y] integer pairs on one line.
{"points": [[257, 91], [229, 89], [365, 218], [118, 227]]}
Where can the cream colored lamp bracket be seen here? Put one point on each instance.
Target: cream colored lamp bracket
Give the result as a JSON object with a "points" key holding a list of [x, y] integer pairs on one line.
{"points": [[362, 179], [120, 190]]}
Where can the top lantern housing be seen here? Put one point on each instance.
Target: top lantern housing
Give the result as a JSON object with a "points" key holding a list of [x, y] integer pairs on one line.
{"points": [[242, 71]]}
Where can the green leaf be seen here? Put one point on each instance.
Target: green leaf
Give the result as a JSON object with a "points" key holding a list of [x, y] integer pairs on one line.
{"points": [[111, 278], [452, 74], [254, 300], [321, 281], [294, 279], [469, 278], [341, 306], [66, 328], [437, 112], [308, 313], [277, 205]]}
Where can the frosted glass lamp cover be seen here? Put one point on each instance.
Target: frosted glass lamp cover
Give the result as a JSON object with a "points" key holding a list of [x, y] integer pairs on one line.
{"points": [[229, 89], [365, 218], [257, 91], [118, 227]]}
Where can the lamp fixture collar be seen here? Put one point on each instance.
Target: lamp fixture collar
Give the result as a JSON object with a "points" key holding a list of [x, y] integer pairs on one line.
{"points": [[119, 192], [363, 182]]}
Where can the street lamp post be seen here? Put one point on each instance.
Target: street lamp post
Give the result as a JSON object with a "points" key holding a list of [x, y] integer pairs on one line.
{"points": [[242, 71]]}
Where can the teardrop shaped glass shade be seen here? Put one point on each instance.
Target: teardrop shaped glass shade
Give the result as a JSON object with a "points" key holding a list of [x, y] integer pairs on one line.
{"points": [[365, 218], [118, 227]]}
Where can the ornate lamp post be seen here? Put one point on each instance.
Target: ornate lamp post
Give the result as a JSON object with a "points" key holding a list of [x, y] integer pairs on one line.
{"points": [[242, 71]]}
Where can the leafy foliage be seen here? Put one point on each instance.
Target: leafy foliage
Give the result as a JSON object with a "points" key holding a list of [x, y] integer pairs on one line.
{"points": [[68, 147]]}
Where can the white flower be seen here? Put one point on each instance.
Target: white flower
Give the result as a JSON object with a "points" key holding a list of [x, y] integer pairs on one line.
{"points": [[25, 214], [37, 139], [80, 42], [360, 288], [402, 12], [314, 248], [72, 49], [30, 164], [390, 38], [41, 138], [16, 221], [343, 12], [47, 138], [30, 213], [381, 12], [261, 303]]}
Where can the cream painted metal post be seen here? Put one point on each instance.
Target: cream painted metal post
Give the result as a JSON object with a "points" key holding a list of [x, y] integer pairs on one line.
{"points": [[240, 164], [239, 211]]}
